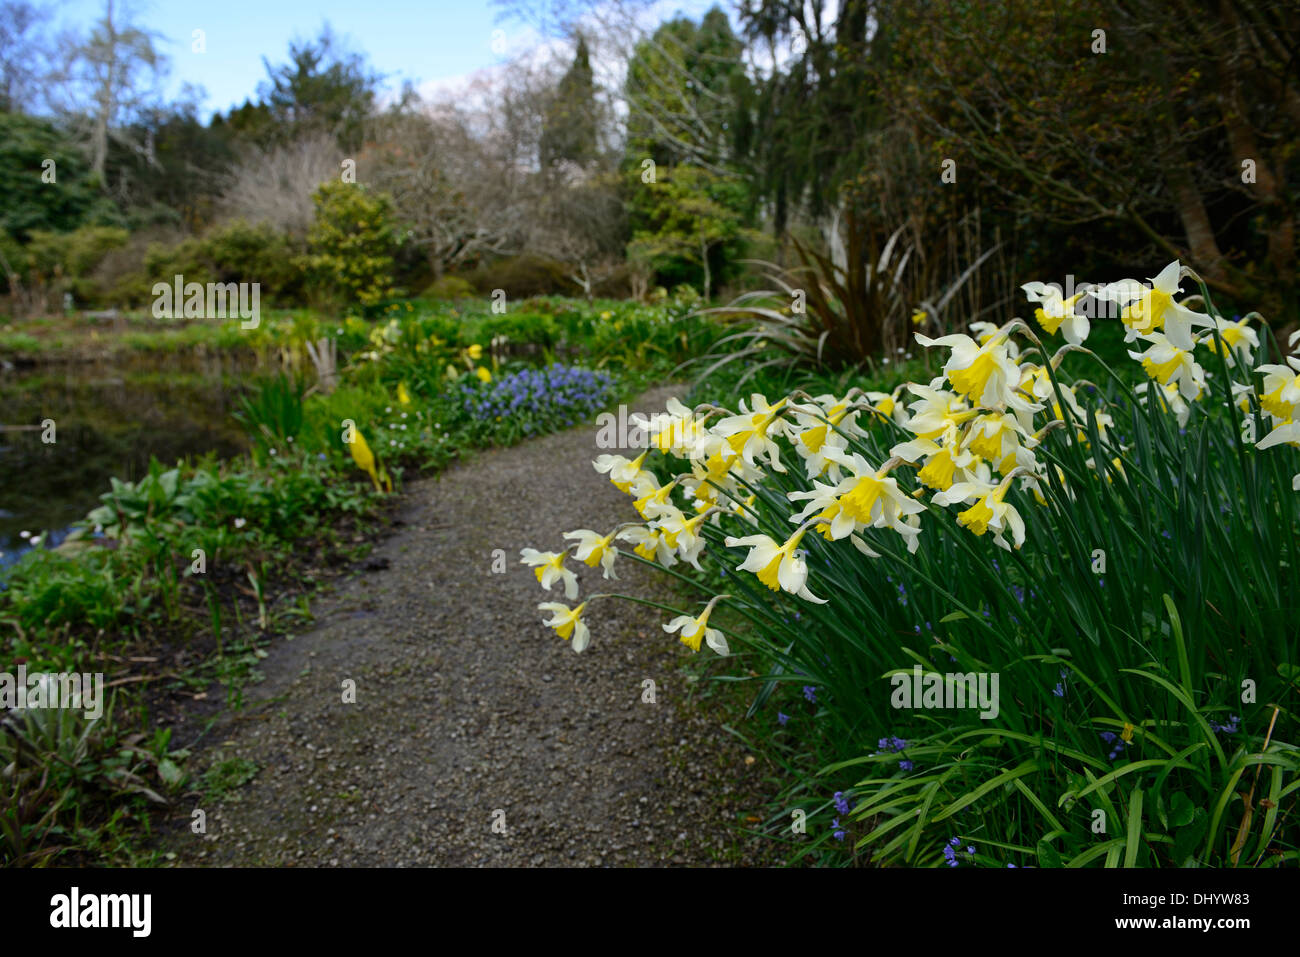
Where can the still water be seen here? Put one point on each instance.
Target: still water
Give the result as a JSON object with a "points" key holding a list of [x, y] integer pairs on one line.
{"points": [[109, 420]]}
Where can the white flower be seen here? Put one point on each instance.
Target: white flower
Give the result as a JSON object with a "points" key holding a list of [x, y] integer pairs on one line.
{"points": [[694, 629], [548, 566], [593, 548], [1147, 310], [1055, 312], [777, 566], [568, 623]]}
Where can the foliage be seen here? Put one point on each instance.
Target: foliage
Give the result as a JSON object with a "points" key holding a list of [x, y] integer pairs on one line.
{"points": [[352, 244], [825, 314], [1137, 613]]}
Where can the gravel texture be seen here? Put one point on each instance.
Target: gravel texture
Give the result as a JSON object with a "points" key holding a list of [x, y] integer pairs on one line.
{"points": [[470, 714]]}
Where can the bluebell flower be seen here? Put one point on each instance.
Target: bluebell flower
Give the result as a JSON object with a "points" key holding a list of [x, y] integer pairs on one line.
{"points": [[810, 693], [782, 718], [838, 831]]}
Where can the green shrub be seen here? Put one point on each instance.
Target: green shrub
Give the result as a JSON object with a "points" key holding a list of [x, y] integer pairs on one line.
{"points": [[523, 276], [352, 244], [450, 287]]}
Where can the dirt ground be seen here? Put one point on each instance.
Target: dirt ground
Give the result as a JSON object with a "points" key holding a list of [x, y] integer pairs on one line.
{"points": [[478, 737]]}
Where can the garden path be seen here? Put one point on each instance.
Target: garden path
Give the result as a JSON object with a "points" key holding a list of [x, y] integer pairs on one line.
{"points": [[467, 706]]}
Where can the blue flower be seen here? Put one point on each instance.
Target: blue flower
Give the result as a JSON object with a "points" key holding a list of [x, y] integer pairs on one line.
{"points": [[1230, 727], [839, 831], [841, 804], [782, 718], [810, 693]]}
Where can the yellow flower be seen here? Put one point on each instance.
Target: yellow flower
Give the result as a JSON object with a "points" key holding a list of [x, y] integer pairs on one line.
{"points": [[777, 566], [1127, 734], [606, 315], [475, 352], [695, 630], [593, 549], [568, 623], [548, 566], [403, 396], [365, 460], [483, 374]]}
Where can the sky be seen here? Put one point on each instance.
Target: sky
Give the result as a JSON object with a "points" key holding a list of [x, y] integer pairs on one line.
{"points": [[435, 44]]}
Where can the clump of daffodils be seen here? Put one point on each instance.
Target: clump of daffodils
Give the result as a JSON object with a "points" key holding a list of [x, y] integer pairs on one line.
{"points": [[960, 443]]}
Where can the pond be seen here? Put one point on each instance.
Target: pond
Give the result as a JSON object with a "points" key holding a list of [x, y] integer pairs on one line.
{"points": [[109, 420]]}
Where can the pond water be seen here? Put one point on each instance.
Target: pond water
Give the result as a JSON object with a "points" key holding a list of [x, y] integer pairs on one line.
{"points": [[110, 419]]}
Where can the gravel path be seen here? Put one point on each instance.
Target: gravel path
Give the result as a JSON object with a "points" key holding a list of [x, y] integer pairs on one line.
{"points": [[470, 714]]}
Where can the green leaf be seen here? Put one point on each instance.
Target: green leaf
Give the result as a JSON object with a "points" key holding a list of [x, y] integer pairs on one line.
{"points": [[1181, 810]]}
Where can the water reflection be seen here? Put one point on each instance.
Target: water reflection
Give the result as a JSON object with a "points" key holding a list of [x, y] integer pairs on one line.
{"points": [[109, 418]]}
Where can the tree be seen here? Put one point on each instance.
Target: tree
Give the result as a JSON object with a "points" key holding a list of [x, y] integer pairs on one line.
{"points": [[692, 217], [24, 55], [116, 68], [32, 204], [324, 88], [569, 131]]}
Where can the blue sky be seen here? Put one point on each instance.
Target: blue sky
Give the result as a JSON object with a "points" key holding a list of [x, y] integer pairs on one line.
{"points": [[429, 41]]}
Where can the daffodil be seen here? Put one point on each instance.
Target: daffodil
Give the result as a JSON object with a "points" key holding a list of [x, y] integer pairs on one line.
{"points": [[676, 431], [996, 437], [1055, 312], [1280, 393], [623, 473], [985, 374], [1171, 366], [548, 566], [593, 548], [655, 500], [868, 498], [935, 411], [942, 463], [748, 433], [777, 566], [568, 623], [1239, 338], [682, 533], [649, 543], [1151, 309], [987, 510], [695, 630], [1287, 433]]}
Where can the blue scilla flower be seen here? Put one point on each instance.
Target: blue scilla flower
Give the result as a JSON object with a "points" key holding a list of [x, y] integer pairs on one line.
{"points": [[1110, 737], [1230, 727]]}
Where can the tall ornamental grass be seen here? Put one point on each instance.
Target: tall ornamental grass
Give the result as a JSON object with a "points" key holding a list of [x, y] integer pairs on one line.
{"points": [[1116, 568]]}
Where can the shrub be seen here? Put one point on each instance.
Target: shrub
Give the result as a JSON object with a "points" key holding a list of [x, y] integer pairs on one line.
{"points": [[523, 276], [450, 287], [352, 244]]}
